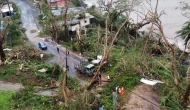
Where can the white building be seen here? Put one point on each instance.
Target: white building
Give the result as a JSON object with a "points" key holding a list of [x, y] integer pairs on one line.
{"points": [[6, 10], [73, 25], [80, 22]]}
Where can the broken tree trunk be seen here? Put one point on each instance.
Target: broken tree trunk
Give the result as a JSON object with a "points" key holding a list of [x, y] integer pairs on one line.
{"points": [[187, 93], [3, 58], [64, 93], [98, 70], [65, 20], [79, 41], [147, 39]]}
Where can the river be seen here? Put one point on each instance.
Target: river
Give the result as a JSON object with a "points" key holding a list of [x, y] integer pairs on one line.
{"points": [[172, 20]]}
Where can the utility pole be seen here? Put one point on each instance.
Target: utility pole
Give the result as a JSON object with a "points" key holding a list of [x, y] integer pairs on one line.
{"points": [[66, 60], [66, 67], [114, 94]]}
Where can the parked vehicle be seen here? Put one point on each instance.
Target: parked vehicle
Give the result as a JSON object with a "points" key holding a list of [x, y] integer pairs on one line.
{"points": [[42, 45], [86, 69]]}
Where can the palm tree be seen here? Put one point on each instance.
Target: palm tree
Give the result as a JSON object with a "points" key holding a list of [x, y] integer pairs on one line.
{"points": [[185, 32]]}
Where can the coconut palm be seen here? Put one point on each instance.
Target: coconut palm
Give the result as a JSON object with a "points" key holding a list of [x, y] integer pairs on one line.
{"points": [[185, 32]]}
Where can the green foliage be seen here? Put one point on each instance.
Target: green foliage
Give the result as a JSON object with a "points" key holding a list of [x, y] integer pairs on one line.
{"points": [[126, 68], [185, 32], [53, 71], [7, 72], [122, 73], [45, 8], [76, 2], [26, 99], [83, 101], [31, 67], [5, 101], [18, 12], [182, 70], [126, 80], [45, 23], [119, 21], [93, 10], [170, 98], [15, 34], [78, 104], [106, 101], [73, 83], [113, 16]]}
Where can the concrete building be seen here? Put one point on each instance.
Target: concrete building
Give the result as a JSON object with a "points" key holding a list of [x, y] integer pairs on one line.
{"points": [[5, 10], [80, 21]]}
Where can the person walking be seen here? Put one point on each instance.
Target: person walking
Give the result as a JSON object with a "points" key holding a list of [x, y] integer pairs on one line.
{"points": [[99, 77], [67, 52], [58, 49]]}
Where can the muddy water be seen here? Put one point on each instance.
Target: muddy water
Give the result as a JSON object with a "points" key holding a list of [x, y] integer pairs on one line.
{"points": [[172, 20]]}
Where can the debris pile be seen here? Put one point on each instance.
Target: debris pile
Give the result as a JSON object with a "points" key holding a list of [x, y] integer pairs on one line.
{"points": [[25, 53], [21, 54]]}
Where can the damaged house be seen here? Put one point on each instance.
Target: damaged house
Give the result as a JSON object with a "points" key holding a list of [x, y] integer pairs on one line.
{"points": [[80, 21], [7, 10]]}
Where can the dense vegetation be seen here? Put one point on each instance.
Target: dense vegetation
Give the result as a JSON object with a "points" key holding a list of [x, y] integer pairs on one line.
{"points": [[128, 61]]}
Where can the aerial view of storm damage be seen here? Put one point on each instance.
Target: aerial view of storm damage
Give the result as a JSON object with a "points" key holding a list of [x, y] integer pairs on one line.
{"points": [[94, 55]]}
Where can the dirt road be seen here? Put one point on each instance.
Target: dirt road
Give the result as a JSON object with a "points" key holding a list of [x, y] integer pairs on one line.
{"points": [[143, 98]]}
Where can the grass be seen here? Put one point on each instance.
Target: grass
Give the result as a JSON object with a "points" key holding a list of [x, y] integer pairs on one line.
{"points": [[25, 100], [125, 71], [6, 102]]}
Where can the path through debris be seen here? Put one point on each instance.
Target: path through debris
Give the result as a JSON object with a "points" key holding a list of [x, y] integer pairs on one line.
{"points": [[10, 86], [143, 98]]}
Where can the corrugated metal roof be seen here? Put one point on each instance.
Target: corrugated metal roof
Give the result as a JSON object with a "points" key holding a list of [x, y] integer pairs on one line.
{"points": [[5, 8], [89, 66], [55, 0]]}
